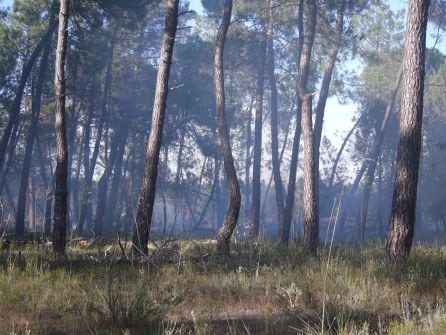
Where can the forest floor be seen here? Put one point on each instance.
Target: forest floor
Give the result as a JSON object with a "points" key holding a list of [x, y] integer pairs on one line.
{"points": [[183, 288]]}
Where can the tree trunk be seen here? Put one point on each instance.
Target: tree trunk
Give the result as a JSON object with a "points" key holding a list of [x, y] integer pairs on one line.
{"points": [[111, 212], [147, 198], [103, 186], [339, 154], [311, 208], [49, 190], [371, 163], [402, 222], [248, 162], [75, 185], [86, 186], [376, 150], [270, 67], [89, 165], [32, 207], [225, 233], [257, 163], [289, 204], [14, 113], [163, 187], [9, 155], [326, 80], [210, 198], [61, 191], [36, 107]]}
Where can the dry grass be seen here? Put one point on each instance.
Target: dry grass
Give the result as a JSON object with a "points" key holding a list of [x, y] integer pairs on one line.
{"points": [[261, 289]]}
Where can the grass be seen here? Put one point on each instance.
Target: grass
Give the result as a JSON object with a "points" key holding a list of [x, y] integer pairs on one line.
{"points": [[183, 288]]}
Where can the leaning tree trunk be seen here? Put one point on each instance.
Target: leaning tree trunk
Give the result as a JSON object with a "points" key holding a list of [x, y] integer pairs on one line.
{"points": [[15, 132], [257, 163], [61, 191], [14, 112], [147, 198], [289, 202], [270, 68], [36, 107], [311, 208], [326, 80], [370, 175], [225, 233], [402, 221]]}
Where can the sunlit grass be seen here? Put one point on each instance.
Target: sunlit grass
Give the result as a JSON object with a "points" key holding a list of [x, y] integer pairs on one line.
{"points": [[183, 288]]}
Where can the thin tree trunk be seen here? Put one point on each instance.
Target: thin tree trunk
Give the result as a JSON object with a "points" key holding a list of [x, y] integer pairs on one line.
{"points": [[89, 172], [371, 163], [257, 163], [209, 200], [9, 155], [49, 190], [326, 80], [111, 212], [86, 186], [271, 177], [311, 208], [376, 150], [289, 204], [75, 185], [248, 161], [163, 190], [177, 180], [225, 233], [147, 198], [61, 192], [278, 184], [402, 222], [339, 154], [14, 113], [103, 185], [32, 206], [36, 107]]}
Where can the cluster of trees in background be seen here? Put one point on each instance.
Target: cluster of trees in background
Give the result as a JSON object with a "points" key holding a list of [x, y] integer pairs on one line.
{"points": [[227, 98]]}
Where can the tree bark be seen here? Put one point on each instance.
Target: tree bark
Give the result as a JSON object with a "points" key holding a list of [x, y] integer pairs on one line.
{"points": [[402, 221], [311, 208], [257, 162], [147, 198], [225, 233], [61, 191]]}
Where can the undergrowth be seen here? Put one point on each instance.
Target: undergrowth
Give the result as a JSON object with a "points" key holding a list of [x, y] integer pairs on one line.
{"points": [[262, 288]]}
